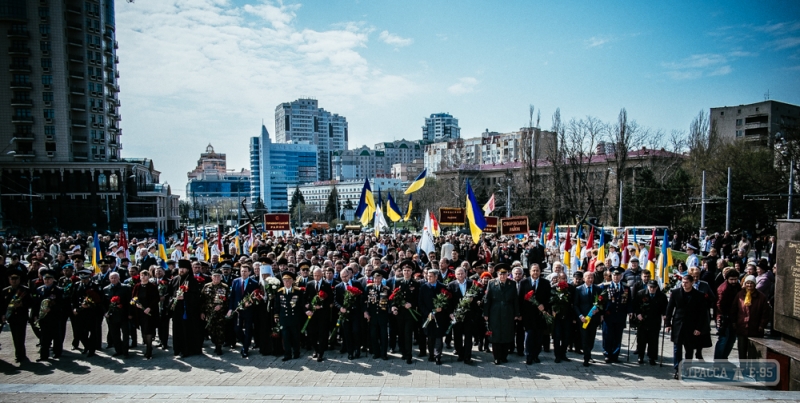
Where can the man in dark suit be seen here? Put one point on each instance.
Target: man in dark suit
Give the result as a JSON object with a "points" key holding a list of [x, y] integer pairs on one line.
{"points": [[290, 307], [320, 313], [617, 308], [588, 315], [436, 317], [406, 322], [649, 305], [464, 330], [533, 316], [242, 287], [710, 297], [688, 315], [350, 327]]}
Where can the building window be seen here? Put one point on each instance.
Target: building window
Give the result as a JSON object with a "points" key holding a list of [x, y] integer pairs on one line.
{"points": [[739, 133], [50, 131], [113, 182], [44, 29], [44, 12], [49, 114], [47, 96], [47, 79], [102, 183], [47, 63], [738, 122], [22, 113], [44, 46]]}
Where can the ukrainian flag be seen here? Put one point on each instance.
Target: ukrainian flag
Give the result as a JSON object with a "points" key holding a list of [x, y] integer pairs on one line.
{"points": [[418, 183], [392, 211], [97, 254], [162, 250], [206, 254], [366, 204], [477, 222], [601, 249], [408, 209], [665, 259]]}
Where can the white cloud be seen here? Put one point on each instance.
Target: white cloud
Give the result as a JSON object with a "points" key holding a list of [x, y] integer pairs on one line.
{"points": [[704, 65], [464, 85], [596, 41], [200, 70], [395, 40]]}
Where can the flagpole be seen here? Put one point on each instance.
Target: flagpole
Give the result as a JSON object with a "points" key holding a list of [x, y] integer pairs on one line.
{"points": [[619, 219], [703, 203], [728, 207]]}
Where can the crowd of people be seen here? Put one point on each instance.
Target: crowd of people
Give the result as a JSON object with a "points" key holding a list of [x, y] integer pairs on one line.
{"points": [[360, 294]]}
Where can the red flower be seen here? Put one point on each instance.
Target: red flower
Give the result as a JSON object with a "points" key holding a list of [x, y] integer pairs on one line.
{"points": [[74, 278], [394, 293], [445, 293], [223, 298], [488, 333], [353, 290], [184, 288], [303, 289], [115, 300], [529, 295], [199, 278], [135, 278], [451, 275], [369, 281], [323, 295], [600, 298], [562, 285], [644, 299], [706, 295], [163, 282]]}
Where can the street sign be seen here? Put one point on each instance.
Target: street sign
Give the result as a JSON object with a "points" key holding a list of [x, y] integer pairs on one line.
{"points": [[451, 216], [277, 222], [514, 225], [491, 225]]}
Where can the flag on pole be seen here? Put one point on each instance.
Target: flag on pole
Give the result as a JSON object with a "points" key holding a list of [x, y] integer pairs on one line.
{"points": [[123, 243], [477, 222], [366, 205], [578, 244], [636, 244], [426, 240], [219, 240], [489, 206], [434, 224], [541, 233], [408, 210], [392, 211], [601, 248], [567, 247], [162, 249], [626, 254], [380, 222], [206, 254], [590, 241], [666, 257], [97, 254], [651, 256], [236, 240], [550, 234], [252, 239], [185, 254], [418, 183]]}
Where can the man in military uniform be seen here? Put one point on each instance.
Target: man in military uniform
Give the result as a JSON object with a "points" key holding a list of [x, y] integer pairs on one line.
{"points": [[87, 311], [649, 305], [186, 328], [377, 315], [617, 309], [118, 315], [406, 323], [214, 298], [17, 298], [319, 326], [47, 316], [68, 282], [291, 303]]}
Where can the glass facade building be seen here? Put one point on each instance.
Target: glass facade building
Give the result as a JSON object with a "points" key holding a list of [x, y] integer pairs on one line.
{"points": [[281, 167]]}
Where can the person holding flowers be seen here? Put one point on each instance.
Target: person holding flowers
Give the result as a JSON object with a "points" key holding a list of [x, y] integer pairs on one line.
{"points": [[535, 307], [376, 312], [588, 303], [649, 306], [617, 308], [46, 314], [87, 309], [290, 305], [144, 301], [240, 306], [17, 301], [117, 297], [404, 299], [319, 295], [563, 315], [349, 305], [465, 310], [434, 304], [500, 309], [186, 328], [214, 299]]}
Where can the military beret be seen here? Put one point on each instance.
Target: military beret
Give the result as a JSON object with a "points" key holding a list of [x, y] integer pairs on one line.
{"points": [[184, 264]]}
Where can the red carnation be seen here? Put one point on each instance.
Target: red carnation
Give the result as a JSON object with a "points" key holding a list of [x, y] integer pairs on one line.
{"points": [[115, 300], [445, 293], [451, 275], [135, 278], [163, 282], [184, 288], [303, 289], [562, 285], [600, 298], [529, 295], [323, 295], [74, 278]]}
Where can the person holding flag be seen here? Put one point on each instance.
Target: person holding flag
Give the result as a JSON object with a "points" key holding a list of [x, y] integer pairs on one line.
{"points": [[477, 222]]}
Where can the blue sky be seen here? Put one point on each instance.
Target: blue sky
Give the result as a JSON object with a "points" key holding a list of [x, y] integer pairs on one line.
{"points": [[200, 71]]}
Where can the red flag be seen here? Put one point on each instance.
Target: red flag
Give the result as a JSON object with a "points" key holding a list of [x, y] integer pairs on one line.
{"points": [[626, 254], [590, 241], [550, 234], [434, 225], [186, 243], [219, 239], [123, 242], [651, 254]]}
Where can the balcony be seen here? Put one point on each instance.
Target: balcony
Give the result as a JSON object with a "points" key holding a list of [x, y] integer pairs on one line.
{"points": [[108, 50], [78, 107], [76, 58], [80, 155], [25, 154], [76, 27], [23, 137], [74, 10], [77, 74], [113, 129], [79, 139], [108, 35], [21, 102], [14, 33], [112, 100], [109, 66], [22, 68], [79, 123], [19, 50], [22, 119], [75, 42], [20, 85], [116, 59], [77, 90]]}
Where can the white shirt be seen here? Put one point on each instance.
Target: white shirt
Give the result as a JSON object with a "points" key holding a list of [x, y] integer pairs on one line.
{"points": [[692, 261], [614, 258], [643, 257]]}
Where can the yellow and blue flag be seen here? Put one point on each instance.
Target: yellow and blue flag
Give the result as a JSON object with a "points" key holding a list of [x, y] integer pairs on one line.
{"points": [[162, 249], [477, 222], [206, 254], [392, 211], [97, 254], [408, 209], [665, 258], [601, 249], [418, 183], [366, 204]]}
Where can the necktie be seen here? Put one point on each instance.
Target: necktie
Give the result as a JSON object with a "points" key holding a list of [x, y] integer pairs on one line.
{"points": [[243, 285], [590, 290], [318, 286], [535, 284]]}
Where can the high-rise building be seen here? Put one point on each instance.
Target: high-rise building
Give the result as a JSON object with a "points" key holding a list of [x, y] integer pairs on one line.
{"points": [[255, 168], [303, 121], [281, 168], [60, 134], [758, 122], [440, 127], [211, 181]]}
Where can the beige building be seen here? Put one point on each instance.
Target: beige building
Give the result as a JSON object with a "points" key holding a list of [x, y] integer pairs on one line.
{"points": [[407, 172], [758, 122]]}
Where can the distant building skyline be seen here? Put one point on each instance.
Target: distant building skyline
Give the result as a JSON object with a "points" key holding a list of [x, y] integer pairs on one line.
{"points": [[280, 167], [440, 127]]}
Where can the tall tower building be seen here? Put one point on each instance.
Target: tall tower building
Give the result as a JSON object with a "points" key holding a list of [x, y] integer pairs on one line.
{"points": [[303, 121], [255, 168], [440, 127], [281, 168]]}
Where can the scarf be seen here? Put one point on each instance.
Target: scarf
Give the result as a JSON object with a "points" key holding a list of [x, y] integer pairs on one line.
{"points": [[748, 298]]}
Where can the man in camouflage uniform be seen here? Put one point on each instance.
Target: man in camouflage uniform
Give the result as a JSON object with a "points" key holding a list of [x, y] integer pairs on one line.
{"points": [[377, 314], [214, 297]]}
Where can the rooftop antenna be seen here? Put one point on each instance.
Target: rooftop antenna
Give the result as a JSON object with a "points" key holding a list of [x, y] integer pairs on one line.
{"points": [[766, 96]]}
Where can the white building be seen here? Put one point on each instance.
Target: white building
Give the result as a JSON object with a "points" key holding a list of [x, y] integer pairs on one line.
{"points": [[364, 162], [441, 127], [303, 121]]}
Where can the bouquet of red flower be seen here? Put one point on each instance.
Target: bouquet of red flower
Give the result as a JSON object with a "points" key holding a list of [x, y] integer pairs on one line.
{"points": [[559, 298], [200, 279], [162, 288], [439, 301], [254, 298], [183, 289], [321, 296], [349, 298], [398, 300], [219, 301], [532, 299], [464, 305], [114, 306], [598, 306], [135, 279], [449, 278]]}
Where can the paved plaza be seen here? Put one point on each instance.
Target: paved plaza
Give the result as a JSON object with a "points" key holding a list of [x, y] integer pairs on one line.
{"points": [[74, 378]]}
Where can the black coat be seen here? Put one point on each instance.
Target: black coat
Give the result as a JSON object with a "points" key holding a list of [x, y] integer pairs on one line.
{"points": [[583, 301], [687, 312], [427, 293], [323, 314], [356, 310], [656, 307], [532, 318], [501, 306]]}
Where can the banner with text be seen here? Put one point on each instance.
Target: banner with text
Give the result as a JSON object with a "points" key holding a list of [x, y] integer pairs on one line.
{"points": [[491, 225], [514, 226], [276, 222], [451, 216]]}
